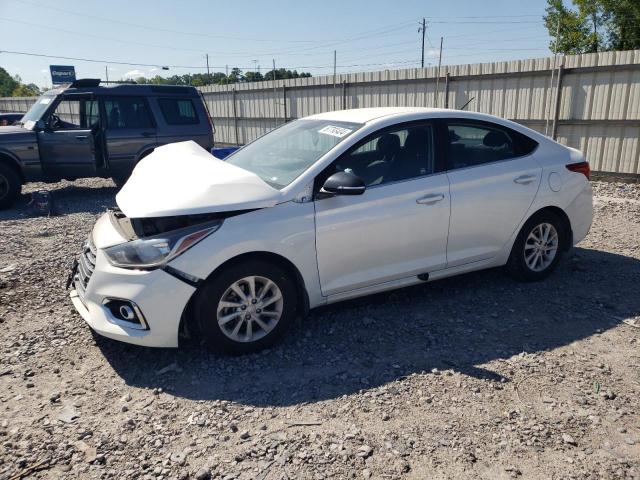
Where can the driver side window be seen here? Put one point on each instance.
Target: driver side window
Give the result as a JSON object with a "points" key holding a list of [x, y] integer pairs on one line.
{"points": [[392, 155], [74, 114]]}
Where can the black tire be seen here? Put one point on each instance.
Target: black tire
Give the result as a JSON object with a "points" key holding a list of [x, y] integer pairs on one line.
{"points": [[517, 266], [211, 293], [10, 186], [120, 180]]}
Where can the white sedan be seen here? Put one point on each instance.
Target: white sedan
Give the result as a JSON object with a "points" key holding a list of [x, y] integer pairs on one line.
{"points": [[325, 208]]}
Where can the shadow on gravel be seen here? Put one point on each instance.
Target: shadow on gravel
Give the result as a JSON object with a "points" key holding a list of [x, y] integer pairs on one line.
{"points": [[68, 200], [458, 323]]}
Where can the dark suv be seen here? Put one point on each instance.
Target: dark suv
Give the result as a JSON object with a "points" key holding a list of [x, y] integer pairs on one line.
{"points": [[88, 130]]}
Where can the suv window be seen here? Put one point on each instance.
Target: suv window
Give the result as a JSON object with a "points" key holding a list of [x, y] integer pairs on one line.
{"points": [[127, 112], [178, 111], [475, 143], [74, 114], [395, 154]]}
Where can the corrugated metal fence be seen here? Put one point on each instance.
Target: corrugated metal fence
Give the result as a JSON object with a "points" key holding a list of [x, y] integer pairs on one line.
{"points": [[597, 110]]}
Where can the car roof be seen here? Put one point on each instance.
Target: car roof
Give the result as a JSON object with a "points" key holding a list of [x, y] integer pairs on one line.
{"points": [[128, 89], [365, 115]]}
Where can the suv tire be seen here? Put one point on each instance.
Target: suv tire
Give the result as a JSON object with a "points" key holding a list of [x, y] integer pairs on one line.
{"points": [[234, 316], [10, 186]]}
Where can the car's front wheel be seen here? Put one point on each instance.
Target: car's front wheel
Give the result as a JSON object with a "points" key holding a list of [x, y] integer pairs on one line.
{"points": [[245, 307], [10, 186], [538, 247]]}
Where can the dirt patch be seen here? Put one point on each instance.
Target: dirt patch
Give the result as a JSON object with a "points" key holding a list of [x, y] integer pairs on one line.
{"points": [[471, 377]]}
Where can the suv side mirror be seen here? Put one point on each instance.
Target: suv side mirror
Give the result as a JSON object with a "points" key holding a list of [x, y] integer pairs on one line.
{"points": [[41, 125], [344, 183]]}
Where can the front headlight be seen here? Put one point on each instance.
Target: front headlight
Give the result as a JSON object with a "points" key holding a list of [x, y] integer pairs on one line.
{"points": [[152, 252]]}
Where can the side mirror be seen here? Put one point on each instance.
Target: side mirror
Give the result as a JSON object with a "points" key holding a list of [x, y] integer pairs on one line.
{"points": [[41, 125], [344, 183]]}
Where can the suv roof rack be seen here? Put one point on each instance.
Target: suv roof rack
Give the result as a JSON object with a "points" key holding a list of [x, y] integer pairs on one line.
{"points": [[85, 82]]}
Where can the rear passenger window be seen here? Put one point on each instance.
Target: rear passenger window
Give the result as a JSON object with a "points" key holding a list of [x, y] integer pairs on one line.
{"points": [[127, 112], [178, 112], [471, 144]]}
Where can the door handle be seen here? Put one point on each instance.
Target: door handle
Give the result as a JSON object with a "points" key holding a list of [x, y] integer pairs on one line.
{"points": [[147, 134], [430, 199], [82, 137], [524, 179]]}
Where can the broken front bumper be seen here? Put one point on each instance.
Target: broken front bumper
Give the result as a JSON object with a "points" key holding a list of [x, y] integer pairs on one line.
{"points": [[158, 298]]}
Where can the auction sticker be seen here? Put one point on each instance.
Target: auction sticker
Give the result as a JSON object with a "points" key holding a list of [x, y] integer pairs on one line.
{"points": [[335, 131]]}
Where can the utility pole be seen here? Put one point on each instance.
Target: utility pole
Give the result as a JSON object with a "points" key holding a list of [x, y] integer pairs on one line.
{"points": [[208, 73], [553, 69], [334, 67], [106, 72], [436, 99], [423, 29]]}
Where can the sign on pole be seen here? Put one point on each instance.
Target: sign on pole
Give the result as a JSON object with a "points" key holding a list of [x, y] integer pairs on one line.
{"points": [[62, 74]]}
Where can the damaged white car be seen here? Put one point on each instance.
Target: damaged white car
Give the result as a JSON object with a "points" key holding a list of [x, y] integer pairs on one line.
{"points": [[325, 208]]}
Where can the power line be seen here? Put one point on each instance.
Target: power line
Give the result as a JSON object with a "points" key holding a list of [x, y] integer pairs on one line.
{"points": [[147, 27]]}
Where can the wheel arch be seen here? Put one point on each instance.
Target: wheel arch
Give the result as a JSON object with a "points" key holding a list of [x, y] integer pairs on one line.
{"points": [[12, 163], [302, 306], [564, 218]]}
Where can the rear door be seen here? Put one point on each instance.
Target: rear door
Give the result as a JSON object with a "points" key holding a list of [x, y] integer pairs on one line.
{"points": [[67, 145], [129, 131], [494, 179]]}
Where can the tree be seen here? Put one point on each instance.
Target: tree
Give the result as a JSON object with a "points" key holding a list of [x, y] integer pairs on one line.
{"points": [[593, 25], [7, 83]]}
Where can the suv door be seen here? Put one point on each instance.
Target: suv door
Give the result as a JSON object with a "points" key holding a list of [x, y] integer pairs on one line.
{"points": [[67, 146], [494, 179], [398, 227], [129, 131]]}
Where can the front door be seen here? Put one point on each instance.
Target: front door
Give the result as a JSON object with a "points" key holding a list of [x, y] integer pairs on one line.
{"points": [[494, 179], [130, 131], [398, 227], [67, 147]]}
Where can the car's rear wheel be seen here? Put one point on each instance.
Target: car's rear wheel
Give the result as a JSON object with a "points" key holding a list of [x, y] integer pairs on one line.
{"points": [[245, 307], [538, 247], [10, 186]]}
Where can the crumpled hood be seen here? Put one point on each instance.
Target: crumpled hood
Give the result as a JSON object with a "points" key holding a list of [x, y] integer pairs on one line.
{"points": [[184, 179]]}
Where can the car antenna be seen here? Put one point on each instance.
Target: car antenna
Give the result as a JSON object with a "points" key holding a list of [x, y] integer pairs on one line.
{"points": [[466, 104]]}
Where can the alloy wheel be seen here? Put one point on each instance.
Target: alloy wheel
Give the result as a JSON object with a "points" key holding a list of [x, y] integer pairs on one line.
{"points": [[249, 309], [541, 247]]}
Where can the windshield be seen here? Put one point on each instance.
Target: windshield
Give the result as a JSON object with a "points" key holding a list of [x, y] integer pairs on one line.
{"points": [[37, 109], [280, 156]]}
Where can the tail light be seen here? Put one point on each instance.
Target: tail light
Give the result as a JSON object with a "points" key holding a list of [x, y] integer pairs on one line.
{"points": [[581, 167]]}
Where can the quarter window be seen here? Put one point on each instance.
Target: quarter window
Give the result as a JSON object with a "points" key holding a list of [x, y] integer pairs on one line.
{"points": [[178, 112], [127, 112], [393, 155], [471, 144]]}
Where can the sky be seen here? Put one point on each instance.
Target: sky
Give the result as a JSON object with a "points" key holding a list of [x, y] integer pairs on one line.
{"points": [[131, 38]]}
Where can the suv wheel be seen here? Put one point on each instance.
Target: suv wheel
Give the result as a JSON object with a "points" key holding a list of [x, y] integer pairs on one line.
{"points": [[120, 180], [10, 186], [538, 247], [246, 307]]}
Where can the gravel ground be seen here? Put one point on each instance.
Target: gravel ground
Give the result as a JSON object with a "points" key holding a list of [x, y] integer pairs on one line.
{"points": [[471, 377]]}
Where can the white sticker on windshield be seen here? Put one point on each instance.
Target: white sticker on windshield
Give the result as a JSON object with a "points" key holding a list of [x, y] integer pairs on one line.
{"points": [[335, 131], [45, 100]]}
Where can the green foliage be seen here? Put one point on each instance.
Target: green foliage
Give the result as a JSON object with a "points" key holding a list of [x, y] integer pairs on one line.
{"points": [[593, 25], [13, 86], [219, 78]]}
